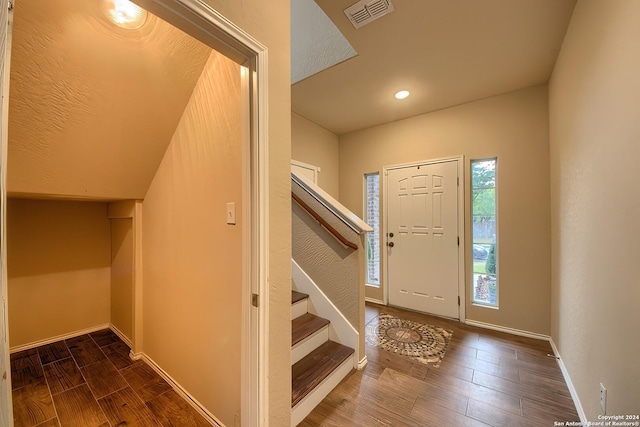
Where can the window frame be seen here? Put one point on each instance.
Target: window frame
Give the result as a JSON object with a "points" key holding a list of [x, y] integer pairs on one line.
{"points": [[474, 301], [376, 233]]}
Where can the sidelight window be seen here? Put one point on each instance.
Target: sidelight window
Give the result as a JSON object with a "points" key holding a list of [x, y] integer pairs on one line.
{"points": [[372, 217], [484, 232]]}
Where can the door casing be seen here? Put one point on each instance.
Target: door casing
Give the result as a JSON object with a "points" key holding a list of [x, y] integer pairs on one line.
{"points": [[201, 21]]}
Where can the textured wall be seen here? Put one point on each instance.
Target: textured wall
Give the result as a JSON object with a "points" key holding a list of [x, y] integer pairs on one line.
{"points": [[269, 22], [332, 266], [317, 146], [595, 204], [318, 44], [513, 127], [192, 258], [93, 107], [122, 275], [58, 268]]}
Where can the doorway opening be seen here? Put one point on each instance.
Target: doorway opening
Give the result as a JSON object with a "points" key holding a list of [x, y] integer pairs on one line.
{"points": [[211, 29]]}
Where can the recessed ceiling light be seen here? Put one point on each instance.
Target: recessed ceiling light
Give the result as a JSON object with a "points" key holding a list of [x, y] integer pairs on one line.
{"points": [[402, 94], [125, 14]]}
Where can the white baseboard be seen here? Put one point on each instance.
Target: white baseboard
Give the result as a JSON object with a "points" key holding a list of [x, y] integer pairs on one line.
{"points": [[180, 390], [563, 368], [374, 301], [58, 338], [362, 363], [122, 336], [567, 379], [507, 330]]}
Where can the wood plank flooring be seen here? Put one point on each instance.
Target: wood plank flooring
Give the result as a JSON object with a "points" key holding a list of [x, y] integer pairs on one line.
{"points": [[486, 378], [91, 381]]}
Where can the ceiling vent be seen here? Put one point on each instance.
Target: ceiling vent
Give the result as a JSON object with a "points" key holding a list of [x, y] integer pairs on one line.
{"points": [[366, 11]]}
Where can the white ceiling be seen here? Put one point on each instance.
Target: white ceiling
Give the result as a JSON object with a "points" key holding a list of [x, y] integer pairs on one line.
{"points": [[446, 52]]}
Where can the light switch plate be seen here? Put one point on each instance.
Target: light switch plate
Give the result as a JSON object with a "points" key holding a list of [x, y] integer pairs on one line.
{"points": [[231, 213]]}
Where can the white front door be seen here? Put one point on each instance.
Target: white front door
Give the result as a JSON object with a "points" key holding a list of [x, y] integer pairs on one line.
{"points": [[422, 237]]}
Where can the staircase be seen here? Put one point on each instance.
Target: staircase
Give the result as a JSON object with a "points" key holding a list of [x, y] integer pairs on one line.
{"points": [[318, 364]]}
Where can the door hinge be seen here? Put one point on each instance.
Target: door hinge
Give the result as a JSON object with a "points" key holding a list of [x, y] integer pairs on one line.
{"points": [[458, 240], [255, 300], [458, 181], [458, 299]]}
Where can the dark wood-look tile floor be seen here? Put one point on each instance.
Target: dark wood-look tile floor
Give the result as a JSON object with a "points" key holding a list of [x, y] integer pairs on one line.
{"points": [[486, 378], [90, 381]]}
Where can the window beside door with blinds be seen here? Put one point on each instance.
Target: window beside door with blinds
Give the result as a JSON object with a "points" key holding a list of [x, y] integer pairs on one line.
{"points": [[372, 217]]}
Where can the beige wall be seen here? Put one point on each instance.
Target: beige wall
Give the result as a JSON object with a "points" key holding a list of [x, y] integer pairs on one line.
{"points": [[192, 263], [122, 270], [269, 23], [58, 257], [317, 146], [513, 127], [330, 264], [595, 202]]}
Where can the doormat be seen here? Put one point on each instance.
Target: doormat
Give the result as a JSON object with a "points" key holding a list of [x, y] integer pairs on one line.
{"points": [[423, 343]]}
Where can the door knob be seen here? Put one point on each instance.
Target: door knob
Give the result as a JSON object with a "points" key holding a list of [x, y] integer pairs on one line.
{"points": [[390, 244], [390, 234]]}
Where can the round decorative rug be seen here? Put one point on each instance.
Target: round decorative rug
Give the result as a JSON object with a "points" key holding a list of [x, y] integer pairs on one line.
{"points": [[423, 343]]}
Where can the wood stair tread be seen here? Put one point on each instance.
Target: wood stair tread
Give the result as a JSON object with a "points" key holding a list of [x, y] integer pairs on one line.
{"points": [[305, 326], [297, 296], [315, 367]]}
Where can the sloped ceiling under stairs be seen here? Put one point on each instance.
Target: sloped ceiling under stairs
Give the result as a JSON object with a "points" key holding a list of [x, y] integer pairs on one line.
{"points": [[93, 107]]}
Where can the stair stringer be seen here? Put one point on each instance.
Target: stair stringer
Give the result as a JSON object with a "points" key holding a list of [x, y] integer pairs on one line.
{"points": [[340, 329]]}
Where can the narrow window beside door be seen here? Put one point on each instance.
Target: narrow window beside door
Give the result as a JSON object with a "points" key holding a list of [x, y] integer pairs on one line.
{"points": [[484, 232], [372, 217]]}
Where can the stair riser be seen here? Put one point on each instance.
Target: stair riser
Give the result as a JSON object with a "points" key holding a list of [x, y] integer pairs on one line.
{"points": [[298, 309], [309, 344], [310, 401]]}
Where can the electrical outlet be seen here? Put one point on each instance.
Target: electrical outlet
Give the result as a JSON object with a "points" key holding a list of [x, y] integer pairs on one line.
{"points": [[603, 399]]}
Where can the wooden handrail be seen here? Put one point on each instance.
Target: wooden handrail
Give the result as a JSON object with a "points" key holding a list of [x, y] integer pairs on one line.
{"points": [[324, 223]]}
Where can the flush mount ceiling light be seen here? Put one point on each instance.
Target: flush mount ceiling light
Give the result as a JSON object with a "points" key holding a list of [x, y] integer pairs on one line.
{"points": [[402, 94], [125, 14]]}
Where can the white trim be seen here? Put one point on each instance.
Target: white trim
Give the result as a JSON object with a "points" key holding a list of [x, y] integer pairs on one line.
{"points": [[567, 379], [462, 293], [310, 343], [337, 208], [420, 163], [66, 336], [313, 399], [299, 308], [362, 363], [461, 230], [306, 166], [200, 20], [6, 406], [120, 335], [495, 306], [259, 404], [180, 390], [340, 330], [507, 330], [374, 301]]}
